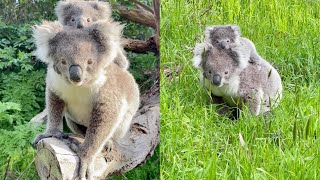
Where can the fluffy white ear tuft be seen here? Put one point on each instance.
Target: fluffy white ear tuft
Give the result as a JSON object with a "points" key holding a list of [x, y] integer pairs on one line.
{"points": [[103, 7], [106, 29], [42, 34], [60, 9], [236, 29], [198, 51], [207, 33]]}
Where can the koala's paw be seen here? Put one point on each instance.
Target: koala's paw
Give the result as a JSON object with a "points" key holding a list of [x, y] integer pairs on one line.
{"points": [[86, 170], [73, 144], [58, 135]]}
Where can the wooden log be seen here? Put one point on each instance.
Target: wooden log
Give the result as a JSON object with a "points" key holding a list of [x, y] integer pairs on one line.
{"points": [[55, 160]]}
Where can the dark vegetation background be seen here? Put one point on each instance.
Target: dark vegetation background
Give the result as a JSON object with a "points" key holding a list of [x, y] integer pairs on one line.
{"points": [[22, 85]]}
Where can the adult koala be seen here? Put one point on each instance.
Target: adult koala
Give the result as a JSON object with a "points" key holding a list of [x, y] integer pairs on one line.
{"points": [[84, 85], [258, 85]]}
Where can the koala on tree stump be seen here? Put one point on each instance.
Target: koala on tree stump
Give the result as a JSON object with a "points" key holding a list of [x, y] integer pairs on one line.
{"points": [[257, 85], [86, 87], [228, 37], [80, 14]]}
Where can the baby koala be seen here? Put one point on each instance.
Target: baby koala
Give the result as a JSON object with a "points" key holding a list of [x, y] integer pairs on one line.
{"points": [[228, 37], [257, 85], [80, 13]]}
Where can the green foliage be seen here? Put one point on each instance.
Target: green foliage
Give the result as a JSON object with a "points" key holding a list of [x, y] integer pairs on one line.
{"points": [[197, 143], [9, 114], [26, 11], [16, 148]]}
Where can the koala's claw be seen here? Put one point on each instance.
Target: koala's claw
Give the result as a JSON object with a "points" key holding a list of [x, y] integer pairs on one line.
{"points": [[58, 135]]}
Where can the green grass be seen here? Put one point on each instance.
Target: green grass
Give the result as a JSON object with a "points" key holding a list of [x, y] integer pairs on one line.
{"points": [[197, 143]]}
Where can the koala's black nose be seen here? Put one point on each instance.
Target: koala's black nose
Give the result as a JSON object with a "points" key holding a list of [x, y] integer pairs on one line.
{"points": [[216, 79], [80, 24], [75, 73]]}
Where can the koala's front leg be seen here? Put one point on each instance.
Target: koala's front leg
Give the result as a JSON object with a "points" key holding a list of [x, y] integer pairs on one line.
{"points": [[106, 117], [55, 108]]}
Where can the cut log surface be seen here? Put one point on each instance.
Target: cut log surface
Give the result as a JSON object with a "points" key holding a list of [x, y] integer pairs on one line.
{"points": [[55, 160]]}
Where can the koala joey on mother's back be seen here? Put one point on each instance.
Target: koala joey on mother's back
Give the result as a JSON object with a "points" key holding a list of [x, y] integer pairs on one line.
{"points": [[80, 13], [257, 85], [84, 85], [228, 37]]}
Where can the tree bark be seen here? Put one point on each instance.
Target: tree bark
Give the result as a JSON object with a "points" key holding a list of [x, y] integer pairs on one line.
{"points": [[140, 15], [55, 160]]}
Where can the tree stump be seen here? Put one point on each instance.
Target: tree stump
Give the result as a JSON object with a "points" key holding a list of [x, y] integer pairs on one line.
{"points": [[55, 160]]}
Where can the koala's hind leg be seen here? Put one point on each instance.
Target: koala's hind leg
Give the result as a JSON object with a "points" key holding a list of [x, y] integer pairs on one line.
{"points": [[253, 102], [124, 126], [121, 59], [55, 108]]}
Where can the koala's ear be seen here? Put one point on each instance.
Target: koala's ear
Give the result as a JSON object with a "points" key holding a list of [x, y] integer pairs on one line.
{"points": [[199, 53], [106, 32], [103, 8], [236, 29], [208, 31], [61, 9], [42, 35]]}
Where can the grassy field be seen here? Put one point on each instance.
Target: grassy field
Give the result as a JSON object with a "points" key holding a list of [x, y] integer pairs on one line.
{"points": [[197, 143]]}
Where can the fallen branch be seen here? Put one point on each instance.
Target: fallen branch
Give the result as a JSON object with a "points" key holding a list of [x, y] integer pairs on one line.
{"points": [[139, 16], [140, 46]]}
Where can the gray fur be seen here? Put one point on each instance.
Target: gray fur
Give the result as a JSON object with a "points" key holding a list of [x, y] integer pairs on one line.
{"points": [[79, 14], [104, 99], [254, 84], [229, 37]]}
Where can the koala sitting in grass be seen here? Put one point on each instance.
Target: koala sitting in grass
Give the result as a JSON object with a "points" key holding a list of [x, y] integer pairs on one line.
{"points": [[79, 14], [228, 37], [257, 85]]}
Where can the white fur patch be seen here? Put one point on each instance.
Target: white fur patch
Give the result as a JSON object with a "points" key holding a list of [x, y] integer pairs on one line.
{"points": [[42, 34], [207, 33], [197, 54], [196, 61], [229, 92], [78, 99]]}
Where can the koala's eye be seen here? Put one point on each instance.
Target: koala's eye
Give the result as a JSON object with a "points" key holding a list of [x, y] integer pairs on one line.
{"points": [[90, 61], [64, 62], [228, 40], [226, 72], [210, 72], [89, 20], [217, 42], [72, 19]]}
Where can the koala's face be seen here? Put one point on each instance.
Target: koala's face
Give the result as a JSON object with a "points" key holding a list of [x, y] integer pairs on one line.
{"points": [[219, 67], [76, 58], [80, 14], [224, 37]]}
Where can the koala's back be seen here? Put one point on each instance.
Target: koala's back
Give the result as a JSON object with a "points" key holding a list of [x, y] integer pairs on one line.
{"points": [[262, 76], [123, 82]]}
